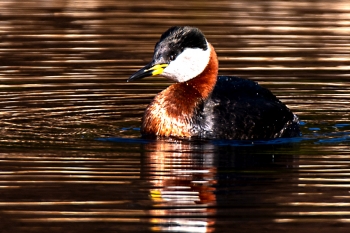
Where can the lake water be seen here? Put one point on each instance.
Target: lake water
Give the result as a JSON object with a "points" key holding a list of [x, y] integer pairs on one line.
{"points": [[71, 155]]}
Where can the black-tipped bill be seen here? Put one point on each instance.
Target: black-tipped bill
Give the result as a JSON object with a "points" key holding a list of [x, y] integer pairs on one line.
{"points": [[148, 70]]}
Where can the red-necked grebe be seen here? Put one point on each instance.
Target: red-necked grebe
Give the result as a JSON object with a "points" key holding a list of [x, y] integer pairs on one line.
{"points": [[201, 103]]}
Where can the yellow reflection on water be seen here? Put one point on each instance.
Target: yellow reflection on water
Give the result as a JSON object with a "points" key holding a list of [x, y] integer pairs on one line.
{"points": [[182, 179]]}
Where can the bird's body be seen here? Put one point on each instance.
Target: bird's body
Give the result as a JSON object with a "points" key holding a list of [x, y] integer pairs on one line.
{"points": [[241, 109], [203, 104]]}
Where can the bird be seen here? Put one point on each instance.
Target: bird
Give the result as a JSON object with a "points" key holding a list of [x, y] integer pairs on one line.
{"points": [[200, 104]]}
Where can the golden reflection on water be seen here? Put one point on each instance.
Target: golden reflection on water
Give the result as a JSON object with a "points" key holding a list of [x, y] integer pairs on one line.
{"points": [[183, 189]]}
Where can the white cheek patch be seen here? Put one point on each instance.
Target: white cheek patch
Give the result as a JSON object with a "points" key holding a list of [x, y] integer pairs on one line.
{"points": [[187, 65]]}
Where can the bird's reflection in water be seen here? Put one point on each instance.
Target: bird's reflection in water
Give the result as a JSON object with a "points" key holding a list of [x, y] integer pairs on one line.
{"points": [[182, 177], [190, 180]]}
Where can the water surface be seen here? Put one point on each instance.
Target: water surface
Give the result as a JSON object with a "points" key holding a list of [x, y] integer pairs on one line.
{"points": [[71, 156]]}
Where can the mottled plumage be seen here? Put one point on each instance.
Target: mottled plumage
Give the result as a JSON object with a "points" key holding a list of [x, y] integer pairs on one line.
{"points": [[241, 109]]}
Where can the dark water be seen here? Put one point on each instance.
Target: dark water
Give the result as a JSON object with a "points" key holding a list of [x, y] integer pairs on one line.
{"points": [[71, 156]]}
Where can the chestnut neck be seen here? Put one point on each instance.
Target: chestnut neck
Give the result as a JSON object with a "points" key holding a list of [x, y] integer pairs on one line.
{"points": [[187, 95], [205, 82]]}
